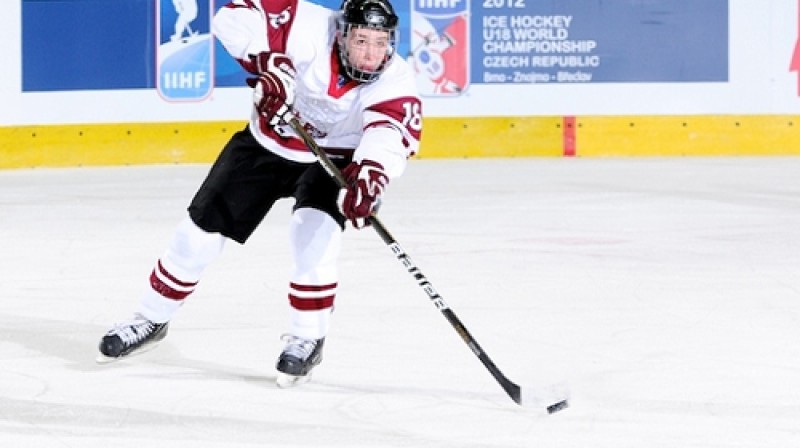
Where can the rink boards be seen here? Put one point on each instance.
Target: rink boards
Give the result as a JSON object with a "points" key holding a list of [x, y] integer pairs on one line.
{"points": [[462, 137]]}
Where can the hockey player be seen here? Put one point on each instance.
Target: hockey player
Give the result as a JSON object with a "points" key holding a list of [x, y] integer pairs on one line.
{"points": [[337, 72]]}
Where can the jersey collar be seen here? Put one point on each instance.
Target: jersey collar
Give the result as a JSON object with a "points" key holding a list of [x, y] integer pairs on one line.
{"points": [[339, 83]]}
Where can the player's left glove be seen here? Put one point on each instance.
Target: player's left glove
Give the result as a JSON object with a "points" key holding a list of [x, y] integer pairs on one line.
{"points": [[274, 88], [366, 182]]}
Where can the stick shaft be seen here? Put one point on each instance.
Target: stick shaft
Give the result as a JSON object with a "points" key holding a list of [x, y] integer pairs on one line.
{"points": [[512, 389]]}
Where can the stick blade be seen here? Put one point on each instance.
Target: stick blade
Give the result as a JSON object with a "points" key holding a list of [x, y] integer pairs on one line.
{"points": [[550, 399]]}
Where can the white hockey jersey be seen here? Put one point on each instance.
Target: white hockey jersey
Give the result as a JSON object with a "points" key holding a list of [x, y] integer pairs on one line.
{"points": [[380, 121]]}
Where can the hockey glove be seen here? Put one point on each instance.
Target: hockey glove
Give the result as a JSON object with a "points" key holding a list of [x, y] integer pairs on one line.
{"points": [[366, 182], [274, 88]]}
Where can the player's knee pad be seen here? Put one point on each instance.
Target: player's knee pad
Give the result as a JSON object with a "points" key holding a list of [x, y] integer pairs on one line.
{"points": [[316, 242]]}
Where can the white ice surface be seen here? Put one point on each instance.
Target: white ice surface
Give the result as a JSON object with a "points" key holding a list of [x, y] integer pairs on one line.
{"points": [[664, 292]]}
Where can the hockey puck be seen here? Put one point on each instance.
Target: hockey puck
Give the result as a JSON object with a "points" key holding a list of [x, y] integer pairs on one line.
{"points": [[553, 408]]}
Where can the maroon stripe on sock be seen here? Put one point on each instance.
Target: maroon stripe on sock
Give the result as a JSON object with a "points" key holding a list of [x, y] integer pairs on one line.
{"points": [[304, 304], [312, 288], [164, 289], [173, 279]]}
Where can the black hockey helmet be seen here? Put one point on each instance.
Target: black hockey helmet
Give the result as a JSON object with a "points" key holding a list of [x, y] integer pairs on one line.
{"points": [[369, 14]]}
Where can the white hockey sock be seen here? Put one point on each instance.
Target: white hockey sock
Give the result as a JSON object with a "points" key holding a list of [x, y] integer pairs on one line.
{"points": [[316, 240], [177, 271], [312, 324]]}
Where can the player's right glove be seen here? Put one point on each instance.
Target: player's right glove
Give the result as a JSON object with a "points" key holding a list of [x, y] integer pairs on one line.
{"points": [[274, 88], [366, 182]]}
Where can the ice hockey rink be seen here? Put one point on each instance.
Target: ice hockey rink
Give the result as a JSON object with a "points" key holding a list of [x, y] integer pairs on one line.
{"points": [[662, 293]]}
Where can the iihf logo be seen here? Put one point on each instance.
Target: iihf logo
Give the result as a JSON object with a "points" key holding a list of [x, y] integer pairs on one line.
{"points": [[185, 50]]}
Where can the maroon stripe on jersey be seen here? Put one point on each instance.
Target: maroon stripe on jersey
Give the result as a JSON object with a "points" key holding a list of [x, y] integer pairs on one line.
{"points": [[380, 124], [166, 290], [396, 108], [280, 17], [319, 303], [291, 143]]}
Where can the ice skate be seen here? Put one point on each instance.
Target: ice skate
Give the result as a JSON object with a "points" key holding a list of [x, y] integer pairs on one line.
{"points": [[299, 357], [134, 337]]}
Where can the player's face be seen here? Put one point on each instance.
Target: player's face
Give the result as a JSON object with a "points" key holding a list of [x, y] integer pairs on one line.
{"points": [[367, 48]]}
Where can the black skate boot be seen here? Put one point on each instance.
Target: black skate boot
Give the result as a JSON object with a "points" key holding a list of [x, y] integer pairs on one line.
{"points": [[135, 336], [298, 358]]}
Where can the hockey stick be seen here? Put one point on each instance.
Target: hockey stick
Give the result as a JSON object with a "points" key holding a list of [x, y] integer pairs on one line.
{"points": [[522, 398]]}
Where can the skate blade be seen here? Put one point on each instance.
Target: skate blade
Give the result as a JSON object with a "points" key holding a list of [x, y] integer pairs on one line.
{"points": [[286, 381], [103, 359]]}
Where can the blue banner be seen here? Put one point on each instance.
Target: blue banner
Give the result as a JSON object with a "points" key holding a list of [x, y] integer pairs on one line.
{"points": [[123, 44], [564, 41], [88, 44]]}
